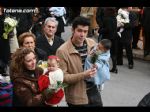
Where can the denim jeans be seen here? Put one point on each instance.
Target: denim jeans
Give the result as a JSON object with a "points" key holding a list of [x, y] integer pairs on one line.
{"points": [[94, 96]]}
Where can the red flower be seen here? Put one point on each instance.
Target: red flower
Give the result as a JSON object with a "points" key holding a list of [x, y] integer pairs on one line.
{"points": [[56, 97], [43, 82]]}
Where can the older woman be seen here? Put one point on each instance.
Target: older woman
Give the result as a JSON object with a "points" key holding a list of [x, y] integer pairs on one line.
{"points": [[28, 40], [24, 75]]}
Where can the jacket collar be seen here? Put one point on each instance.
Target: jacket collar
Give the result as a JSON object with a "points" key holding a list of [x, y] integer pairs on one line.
{"points": [[71, 48]]}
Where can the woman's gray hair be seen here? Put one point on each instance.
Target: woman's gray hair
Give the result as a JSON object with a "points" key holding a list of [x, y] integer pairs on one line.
{"points": [[52, 19]]}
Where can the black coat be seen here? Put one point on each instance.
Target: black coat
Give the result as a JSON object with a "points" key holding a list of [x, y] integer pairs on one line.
{"points": [[36, 29], [146, 28], [43, 44], [127, 33], [106, 19], [41, 55], [146, 19], [24, 20], [60, 27], [4, 47]]}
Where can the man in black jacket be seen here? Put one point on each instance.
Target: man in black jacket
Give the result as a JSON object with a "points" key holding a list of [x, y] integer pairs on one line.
{"points": [[146, 30], [126, 42], [106, 19], [48, 41]]}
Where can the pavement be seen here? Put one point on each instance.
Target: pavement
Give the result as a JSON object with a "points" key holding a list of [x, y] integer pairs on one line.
{"points": [[138, 53]]}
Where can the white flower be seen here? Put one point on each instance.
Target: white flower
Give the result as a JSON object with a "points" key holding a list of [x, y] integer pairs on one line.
{"points": [[9, 25], [42, 64], [12, 22]]}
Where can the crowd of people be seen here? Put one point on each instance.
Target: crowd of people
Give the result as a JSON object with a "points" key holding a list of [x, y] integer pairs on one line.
{"points": [[84, 63]]}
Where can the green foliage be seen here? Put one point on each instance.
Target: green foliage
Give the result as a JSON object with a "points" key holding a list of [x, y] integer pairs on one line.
{"points": [[94, 57], [7, 29], [61, 85]]}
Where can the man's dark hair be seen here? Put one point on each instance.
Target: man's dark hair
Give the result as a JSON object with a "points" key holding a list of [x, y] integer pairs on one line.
{"points": [[106, 43], [80, 20]]}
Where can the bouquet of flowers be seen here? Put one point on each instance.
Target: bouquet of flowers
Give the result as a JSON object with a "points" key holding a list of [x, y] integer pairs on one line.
{"points": [[53, 86], [9, 25], [42, 64], [94, 55], [52, 82]]}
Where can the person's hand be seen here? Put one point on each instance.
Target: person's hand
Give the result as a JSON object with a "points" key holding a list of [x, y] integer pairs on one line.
{"points": [[95, 66], [38, 97], [90, 72], [121, 24], [48, 93], [11, 34], [91, 53]]}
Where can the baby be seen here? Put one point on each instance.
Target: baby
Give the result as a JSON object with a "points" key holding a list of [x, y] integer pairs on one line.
{"points": [[122, 18], [55, 75], [99, 58]]}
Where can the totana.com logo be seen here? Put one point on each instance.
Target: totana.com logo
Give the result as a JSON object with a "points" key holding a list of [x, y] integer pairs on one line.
{"points": [[19, 10]]}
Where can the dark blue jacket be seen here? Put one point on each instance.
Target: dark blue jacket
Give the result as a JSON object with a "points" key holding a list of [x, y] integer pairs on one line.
{"points": [[43, 44]]}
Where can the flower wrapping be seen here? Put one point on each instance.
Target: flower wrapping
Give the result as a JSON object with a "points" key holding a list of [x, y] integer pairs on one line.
{"points": [[43, 82]]}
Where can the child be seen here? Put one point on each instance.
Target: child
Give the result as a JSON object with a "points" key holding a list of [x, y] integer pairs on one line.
{"points": [[99, 58], [50, 79], [122, 18]]}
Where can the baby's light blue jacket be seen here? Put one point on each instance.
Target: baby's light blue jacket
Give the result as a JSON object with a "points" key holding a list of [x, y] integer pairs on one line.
{"points": [[102, 63]]}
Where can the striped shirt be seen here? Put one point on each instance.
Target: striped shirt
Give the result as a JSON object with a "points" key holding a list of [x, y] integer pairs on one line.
{"points": [[82, 51]]}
